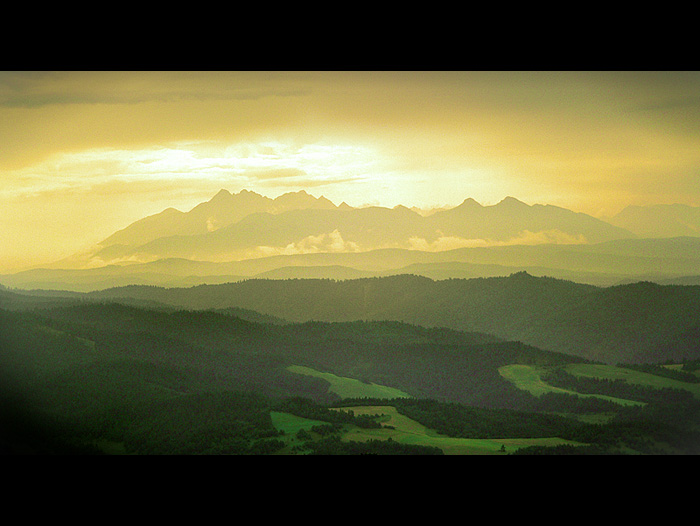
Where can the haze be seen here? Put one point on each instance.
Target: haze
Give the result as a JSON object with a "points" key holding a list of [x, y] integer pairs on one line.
{"points": [[87, 153]]}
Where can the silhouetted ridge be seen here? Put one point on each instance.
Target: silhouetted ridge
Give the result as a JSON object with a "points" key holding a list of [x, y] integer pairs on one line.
{"points": [[470, 202], [524, 276], [661, 220], [221, 194], [625, 323], [512, 202]]}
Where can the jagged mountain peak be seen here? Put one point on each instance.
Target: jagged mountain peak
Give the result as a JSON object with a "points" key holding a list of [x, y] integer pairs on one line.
{"points": [[222, 193], [469, 201], [659, 220], [511, 202], [301, 199]]}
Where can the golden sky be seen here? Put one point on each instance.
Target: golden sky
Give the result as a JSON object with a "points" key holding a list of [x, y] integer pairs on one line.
{"points": [[83, 154]]}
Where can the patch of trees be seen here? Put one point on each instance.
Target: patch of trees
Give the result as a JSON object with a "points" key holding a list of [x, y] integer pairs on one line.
{"points": [[26, 431], [563, 449], [674, 425], [198, 424], [335, 446], [691, 365], [552, 402]]}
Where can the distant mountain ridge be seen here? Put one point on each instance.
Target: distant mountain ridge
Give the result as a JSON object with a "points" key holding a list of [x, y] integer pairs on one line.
{"points": [[247, 225], [220, 211], [662, 220]]}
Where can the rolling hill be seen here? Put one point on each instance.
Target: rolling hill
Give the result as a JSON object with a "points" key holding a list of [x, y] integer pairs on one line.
{"points": [[627, 323]]}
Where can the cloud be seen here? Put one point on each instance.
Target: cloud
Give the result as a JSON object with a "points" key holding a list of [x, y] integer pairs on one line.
{"points": [[305, 183], [212, 224], [334, 242], [184, 164], [276, 173], [327, 242], [526, 237], [41, 89]]}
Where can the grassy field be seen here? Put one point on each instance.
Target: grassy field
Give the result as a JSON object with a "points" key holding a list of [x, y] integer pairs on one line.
{"points": [[350, 387], [529, 378], [408, 431], [292, 424], [611, 372]]}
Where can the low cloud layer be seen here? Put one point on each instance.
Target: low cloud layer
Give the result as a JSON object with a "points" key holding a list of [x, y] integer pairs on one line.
{"points": [[525, 238], [329, 242]]}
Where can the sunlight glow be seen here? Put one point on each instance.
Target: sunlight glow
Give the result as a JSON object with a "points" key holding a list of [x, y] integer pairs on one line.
{"points": [[240, 165]]}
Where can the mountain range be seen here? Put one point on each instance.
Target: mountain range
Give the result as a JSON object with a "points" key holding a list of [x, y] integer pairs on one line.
{"points": [[240, 226], [221, 210], [296, 235], [659, 220]]}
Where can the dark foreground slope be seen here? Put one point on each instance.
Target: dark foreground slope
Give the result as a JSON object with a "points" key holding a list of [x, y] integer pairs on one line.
{"points": [[213, 350], [635, 323], [114, 371]]}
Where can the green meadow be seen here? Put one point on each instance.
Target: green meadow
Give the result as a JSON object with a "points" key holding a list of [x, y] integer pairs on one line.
{"points": [[529, 378], [407, 431], [350, 387], [292, 424], [610, 372]]}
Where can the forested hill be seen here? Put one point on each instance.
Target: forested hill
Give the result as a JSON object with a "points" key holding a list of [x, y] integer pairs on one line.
{"points": [[109, 348], [627, 323], [414, 299]]}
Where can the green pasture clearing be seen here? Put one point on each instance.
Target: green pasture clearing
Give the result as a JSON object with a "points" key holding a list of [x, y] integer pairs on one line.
{"points": [[292, 424], [529, 378], [350, 387], [611, 372], [408, 431]]}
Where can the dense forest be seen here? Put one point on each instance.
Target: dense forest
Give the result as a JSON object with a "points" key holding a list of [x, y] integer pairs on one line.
{"points": [[634, 323]]}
